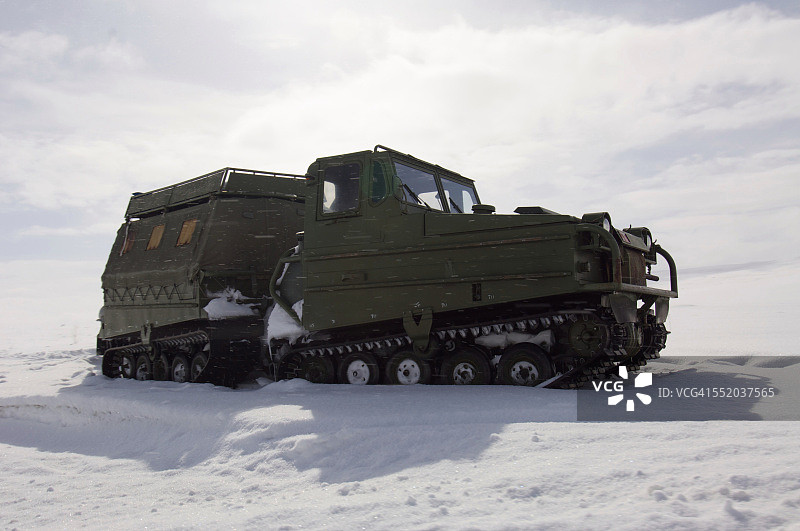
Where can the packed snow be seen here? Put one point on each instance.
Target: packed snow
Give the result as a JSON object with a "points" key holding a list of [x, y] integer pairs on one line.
{"points": [[81, 450], [543, 339], [229, 303], [281, 325]]}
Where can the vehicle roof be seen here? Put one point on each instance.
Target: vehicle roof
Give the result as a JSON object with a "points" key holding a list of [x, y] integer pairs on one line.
{"points": [[403, 156], [226, 181]]}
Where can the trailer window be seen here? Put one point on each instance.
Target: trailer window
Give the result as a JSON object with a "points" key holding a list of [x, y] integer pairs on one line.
{"points": [[155, 237], [340, 188], [187, 230], [127, 245]]}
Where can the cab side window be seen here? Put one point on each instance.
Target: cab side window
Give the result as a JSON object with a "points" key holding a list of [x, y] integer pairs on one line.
{"points": [[378, 190], [340, 188]]}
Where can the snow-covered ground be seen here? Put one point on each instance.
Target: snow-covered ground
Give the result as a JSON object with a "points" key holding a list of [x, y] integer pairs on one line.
{"points": [[78, 449]]}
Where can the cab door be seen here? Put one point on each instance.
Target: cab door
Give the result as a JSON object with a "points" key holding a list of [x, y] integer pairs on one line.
{"points": [[338, 241]]}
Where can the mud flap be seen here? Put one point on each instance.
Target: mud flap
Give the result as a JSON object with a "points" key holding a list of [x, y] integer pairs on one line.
{"points": [[417, 324], [623, 306]]}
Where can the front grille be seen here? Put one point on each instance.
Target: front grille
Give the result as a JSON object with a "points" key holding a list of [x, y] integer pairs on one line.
{"points": [[633, 267]]}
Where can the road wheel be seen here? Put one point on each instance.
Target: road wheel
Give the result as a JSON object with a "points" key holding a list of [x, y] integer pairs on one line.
{"points": [[524, 364], [466, 366], [317, 369], [144, 369], [360, 368], [128, 366], [161, 368], [406, 368], [180, 369], [199, 362]]}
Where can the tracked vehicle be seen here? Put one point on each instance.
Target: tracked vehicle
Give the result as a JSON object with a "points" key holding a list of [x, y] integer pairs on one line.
{"points": [[373, 267]]}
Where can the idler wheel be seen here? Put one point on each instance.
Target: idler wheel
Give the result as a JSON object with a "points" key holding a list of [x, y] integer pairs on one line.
{"points": [[406, 368], [112, 365], [524, 364], [588, 337]]}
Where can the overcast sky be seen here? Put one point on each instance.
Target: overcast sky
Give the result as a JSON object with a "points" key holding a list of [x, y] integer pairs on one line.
{"points": [[682, 116]]}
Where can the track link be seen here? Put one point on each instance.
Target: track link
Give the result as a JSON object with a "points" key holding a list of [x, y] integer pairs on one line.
{"points": [[582, 371], [227, 361]]}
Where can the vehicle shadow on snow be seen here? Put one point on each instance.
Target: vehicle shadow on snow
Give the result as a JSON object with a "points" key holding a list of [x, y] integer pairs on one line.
{"points": [[702, 389], [363, 432], [343, 433]]}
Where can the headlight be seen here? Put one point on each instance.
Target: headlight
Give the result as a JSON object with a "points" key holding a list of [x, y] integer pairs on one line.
{"points": [[644, 234], [598, 218]]}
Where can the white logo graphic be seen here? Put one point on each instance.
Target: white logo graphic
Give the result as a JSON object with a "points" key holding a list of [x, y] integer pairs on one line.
{"points": [[644, 379]]}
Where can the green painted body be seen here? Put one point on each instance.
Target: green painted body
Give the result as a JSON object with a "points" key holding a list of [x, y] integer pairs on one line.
{"points": [[244, 220], [389, 256], [390, 247]]}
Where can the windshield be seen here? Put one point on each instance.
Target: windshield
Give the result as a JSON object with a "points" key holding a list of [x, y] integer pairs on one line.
{"points": [[460, 197], [419, 186]]}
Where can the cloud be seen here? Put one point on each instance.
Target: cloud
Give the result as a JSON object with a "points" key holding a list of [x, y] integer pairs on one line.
{"points": [[575, 112], [86, 230], [555, 101], [48, 56], [30, 49], [110, 55]]}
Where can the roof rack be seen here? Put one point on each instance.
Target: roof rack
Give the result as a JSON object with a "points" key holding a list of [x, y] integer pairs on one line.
{"points": [[226, 181]]}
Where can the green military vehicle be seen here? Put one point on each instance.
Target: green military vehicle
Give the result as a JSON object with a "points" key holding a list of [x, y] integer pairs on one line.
{"points": [[373, 267]]}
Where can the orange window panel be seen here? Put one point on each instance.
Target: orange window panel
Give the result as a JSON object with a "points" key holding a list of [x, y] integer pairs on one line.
{"points": [[155, 237], [187, 230], [130, 237]]}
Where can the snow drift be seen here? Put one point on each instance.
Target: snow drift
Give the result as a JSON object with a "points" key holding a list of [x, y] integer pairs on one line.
{"points": [[80, 449]]}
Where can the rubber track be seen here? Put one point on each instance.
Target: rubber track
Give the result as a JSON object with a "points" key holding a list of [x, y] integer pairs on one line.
{"points": [[585, 370], [222, 368]]}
